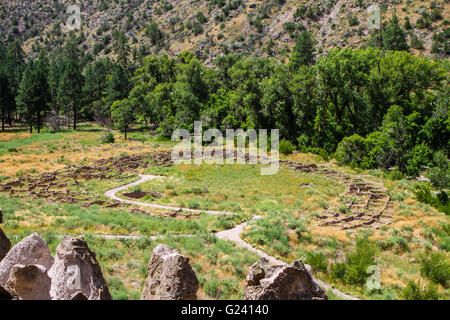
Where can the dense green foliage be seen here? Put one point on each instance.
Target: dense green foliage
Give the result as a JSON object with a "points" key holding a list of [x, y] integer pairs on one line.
{"points": [[370, 108], [413, 291]]}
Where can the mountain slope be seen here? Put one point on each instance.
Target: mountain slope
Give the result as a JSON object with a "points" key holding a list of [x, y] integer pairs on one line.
{"points": [[211, 28]]}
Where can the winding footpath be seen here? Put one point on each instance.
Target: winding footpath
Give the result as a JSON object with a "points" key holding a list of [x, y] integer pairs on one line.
{"points": [[233, 234]]}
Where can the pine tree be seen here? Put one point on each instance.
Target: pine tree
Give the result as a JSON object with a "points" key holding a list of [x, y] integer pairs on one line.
{"points": [[394, 38], [304, 51], [123, 115], [121, 48], [6, 97], [118, 88], [14, 67], [33, 93], [70, 90]]}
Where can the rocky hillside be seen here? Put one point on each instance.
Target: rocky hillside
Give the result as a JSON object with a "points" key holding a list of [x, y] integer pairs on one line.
{"points": [[210, 28]]}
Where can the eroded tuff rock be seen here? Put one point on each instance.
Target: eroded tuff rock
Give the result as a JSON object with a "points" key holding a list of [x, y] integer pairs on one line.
{"points": [[30, 282], [76, 270], [285, 282], [170, 277], [31, 250], [5, 245]]}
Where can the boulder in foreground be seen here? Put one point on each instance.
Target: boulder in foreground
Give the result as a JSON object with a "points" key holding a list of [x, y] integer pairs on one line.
{"points": [[31, 250], [5, 245], [170, 277], [76, 272], [30, 282], [281, 282]]}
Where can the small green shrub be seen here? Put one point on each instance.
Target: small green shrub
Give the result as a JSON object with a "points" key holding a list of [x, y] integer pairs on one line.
{"points": [[435, 267], [317, 260], [354, 270], [413, 291], [107, 137], [286, 147]]}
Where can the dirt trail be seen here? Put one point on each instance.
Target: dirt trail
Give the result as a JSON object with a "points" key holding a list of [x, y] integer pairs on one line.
{"points": [[233, 234]]}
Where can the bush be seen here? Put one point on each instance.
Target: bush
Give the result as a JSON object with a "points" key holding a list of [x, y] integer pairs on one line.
{"points": [[435, 267], [286, 147], [440, 174], [413, 291], [354, 270], [324, 155], [317, 260], [419, 156], [440, 201], [351, 150], [107, 137]]}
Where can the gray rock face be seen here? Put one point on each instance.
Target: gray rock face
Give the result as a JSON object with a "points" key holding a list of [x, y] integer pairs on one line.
{"points": [[30, 282], [285, 282], [170, 277], [31, 250], [5, 245], [76, 270]]}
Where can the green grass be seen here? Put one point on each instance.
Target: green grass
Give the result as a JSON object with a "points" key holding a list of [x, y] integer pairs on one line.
{"points": [[23, 217], [15, 144], [236, 188]]}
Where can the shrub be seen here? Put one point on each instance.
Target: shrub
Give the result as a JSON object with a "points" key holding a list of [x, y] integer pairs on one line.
{"points": [[354, 270], [419, 156], [440, 174], [317, 260], [413, 291], [324, 154], [351, 150], [286, 147], [435, 267], [107, 137]]}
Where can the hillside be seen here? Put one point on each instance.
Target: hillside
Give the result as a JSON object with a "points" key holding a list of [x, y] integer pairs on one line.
{"points": [[211, 28]]}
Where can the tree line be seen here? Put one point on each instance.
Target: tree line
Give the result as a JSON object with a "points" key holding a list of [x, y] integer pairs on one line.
{"points": [[370, 107]]}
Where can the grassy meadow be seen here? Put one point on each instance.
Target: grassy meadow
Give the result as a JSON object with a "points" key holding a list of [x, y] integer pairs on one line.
{"points": [[289, 203]]}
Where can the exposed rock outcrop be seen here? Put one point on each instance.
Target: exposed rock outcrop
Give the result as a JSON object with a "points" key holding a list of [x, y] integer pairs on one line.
{"points": [[76, 270], [281, 282], [31, 250], [5, 245], [170, 277], [30, 282]]}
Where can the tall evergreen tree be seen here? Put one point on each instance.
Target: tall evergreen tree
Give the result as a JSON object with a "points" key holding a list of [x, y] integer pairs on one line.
{"points": [[119, 85], [123, 115], [70, 91], [6, 97], [394, 38], [33, 93], [304, 51], [121, 48], [14, 64]]}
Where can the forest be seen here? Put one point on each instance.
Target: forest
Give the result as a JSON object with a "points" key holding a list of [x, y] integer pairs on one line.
{"points": [[375, 107]]}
